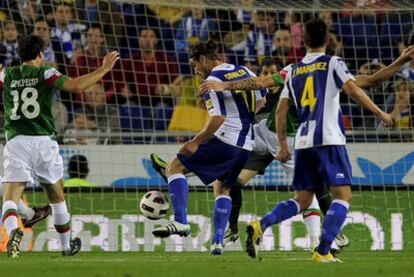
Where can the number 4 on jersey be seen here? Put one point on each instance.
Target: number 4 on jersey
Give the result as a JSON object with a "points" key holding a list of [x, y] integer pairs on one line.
{"points": [[308, 95]]}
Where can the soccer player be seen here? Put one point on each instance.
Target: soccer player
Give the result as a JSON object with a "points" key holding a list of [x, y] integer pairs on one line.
{"points": [[313, 85], [219, 152], [30, 216], [30, 131], [256, 163]]}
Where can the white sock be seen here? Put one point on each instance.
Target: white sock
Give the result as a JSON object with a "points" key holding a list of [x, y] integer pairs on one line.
{"points": [[61, 220], [25, 211], [9, 216], [312, 220]]}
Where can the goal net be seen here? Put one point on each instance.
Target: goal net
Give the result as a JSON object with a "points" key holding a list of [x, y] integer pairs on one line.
{"points": [[151, 103]]}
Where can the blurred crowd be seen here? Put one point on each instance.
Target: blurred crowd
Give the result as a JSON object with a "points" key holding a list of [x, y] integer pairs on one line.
{"points": [[154, 76]]}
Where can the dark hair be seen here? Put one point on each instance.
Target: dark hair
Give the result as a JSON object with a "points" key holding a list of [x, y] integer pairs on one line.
{"points": [[316, 33], [41, 19], [266, 62], [266, 13], [207, 49], [94, 26], [78, 167], [29, 47]]}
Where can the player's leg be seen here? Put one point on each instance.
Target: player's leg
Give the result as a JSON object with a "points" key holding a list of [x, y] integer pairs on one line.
{"points": [[48, 167], [221, 215], [61, 218], [178, 189], [312, 219], [325, 200], [337, 171], [12, 194]]}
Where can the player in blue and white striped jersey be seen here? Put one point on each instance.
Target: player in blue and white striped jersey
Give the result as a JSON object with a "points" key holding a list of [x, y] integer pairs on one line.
{"points": [[313, 85], [218, 153]]}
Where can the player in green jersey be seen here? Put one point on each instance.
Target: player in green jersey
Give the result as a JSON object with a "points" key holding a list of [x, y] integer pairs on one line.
{"points": [[29, 128]]}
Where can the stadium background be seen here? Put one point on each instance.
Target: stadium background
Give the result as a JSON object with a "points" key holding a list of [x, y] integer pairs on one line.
{"points": [[151, 103]]}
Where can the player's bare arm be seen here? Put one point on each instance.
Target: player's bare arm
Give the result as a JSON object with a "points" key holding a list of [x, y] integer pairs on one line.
{"points": [[83, 82], [246, 84], [359, 96], [366, 81], [208, 131], [283, 155]]}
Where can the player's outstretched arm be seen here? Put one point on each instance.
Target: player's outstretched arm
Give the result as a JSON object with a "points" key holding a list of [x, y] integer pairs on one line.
{"points": [[208, 131], [367, 81], [246, 84], [283, 155], [359, 96], [83, 82]]}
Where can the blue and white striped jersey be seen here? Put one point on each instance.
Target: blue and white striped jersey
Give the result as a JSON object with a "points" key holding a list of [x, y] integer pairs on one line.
{"points": [[314, 85], [237, 106]]}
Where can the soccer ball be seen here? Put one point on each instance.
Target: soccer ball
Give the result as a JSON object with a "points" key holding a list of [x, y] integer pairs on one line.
{"points": [[154, 205]]}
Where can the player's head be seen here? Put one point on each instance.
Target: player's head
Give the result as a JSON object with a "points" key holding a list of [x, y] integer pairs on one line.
{"points": [[316, 33], [268, 67], [203, 57], [31, 49], [78, 167]]}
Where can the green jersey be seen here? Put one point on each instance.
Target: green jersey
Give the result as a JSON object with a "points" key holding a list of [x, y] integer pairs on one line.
{"points": [[292, 123], [28, 96]]}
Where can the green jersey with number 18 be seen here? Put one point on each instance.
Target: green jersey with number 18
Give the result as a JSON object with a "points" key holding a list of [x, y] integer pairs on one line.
{"points": [[28, 95]]}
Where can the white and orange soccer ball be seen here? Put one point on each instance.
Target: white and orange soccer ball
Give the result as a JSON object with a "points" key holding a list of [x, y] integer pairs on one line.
{"points": [[154, 205]]}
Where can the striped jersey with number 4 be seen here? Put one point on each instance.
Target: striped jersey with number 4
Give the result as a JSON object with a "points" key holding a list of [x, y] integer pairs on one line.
{"points": [[314, 85], [28, 95]]}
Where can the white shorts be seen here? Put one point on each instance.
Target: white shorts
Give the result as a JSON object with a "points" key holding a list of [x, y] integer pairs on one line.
{"points": [[26, 157], [266, 142]]}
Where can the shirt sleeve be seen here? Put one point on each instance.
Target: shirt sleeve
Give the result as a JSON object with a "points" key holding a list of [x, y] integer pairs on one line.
{"points": [[215, 101], [53, 78], [341, 73], [286, 93]]}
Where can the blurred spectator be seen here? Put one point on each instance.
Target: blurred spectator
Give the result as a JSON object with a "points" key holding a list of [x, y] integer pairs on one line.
{"points": [[78, 171], [360, 37], [284, 52], [24, 13], [334, 47], [403, 105], [259, 40], [53, 50], [67, 30], [96, 116], [147, 69], [91, 58], [105, 13], [8, 48], [193, 28], [328, 17], [244, 12], [407, 71]]}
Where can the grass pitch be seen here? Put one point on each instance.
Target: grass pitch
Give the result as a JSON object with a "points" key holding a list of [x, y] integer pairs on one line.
{"points": [[202, 264]]}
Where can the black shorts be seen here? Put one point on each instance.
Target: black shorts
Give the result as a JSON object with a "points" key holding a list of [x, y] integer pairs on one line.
{"points": [[259, 162]]}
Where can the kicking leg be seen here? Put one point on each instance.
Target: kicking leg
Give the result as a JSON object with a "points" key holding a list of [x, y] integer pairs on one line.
{"points": [[178, 188]]}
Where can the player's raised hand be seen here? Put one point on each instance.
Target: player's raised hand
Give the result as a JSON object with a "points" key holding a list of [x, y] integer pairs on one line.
{"points": [[212, 85], [283, 155], [387, 119], [407, 54], [110, 60], [189, 148]]}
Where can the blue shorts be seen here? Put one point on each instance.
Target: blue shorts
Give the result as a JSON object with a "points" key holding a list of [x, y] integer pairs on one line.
{"points": [[216, 160], [319, 166]]}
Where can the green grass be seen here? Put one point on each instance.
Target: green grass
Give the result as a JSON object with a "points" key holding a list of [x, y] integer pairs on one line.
{"points": [[203, 264]]}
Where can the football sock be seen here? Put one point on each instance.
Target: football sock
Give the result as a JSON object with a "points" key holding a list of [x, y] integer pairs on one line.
{"points": [[9, 216], [312, 220], [332, 224], [324, 200], [178, 188], [25, 211], [236, 196], [222, 207], [280, 212], [61, 220]]}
